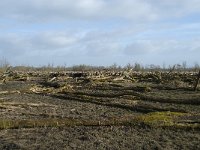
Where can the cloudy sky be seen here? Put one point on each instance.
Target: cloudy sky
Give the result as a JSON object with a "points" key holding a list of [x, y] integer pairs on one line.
{"points": [[99, 32]]}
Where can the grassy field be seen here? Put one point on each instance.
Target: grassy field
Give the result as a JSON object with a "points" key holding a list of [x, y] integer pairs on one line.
{"points": [[99, 110]]}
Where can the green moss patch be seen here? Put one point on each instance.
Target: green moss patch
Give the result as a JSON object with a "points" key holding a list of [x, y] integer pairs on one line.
{"points": [[160, 118], [54, 122], [155, 119], [167, 119]]}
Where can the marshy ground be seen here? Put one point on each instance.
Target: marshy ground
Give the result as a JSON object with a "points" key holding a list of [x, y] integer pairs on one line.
{"points": [[149, 110]]}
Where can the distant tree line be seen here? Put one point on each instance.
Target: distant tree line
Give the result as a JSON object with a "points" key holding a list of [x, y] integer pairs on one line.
{"points": [[82, 67]]}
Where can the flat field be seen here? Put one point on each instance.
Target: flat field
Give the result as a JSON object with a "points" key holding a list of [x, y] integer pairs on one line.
{"points": [[99, 110]]}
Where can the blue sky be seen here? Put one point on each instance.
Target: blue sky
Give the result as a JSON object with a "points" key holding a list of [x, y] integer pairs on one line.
{"points": [[100, 32]]}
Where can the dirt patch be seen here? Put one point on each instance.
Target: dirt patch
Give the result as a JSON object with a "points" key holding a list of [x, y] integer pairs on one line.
{"points": [[142, 111]]}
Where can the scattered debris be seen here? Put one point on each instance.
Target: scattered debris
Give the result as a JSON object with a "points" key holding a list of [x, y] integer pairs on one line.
{"points": [[9, 92]]}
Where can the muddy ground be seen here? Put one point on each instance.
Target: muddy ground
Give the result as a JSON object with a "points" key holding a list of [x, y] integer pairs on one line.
{"points": [[62, 112]]}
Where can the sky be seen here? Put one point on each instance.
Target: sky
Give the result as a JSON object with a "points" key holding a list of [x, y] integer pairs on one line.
{"points": [[100, 32]]}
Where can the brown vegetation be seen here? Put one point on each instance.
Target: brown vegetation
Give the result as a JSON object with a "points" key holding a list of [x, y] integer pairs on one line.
{"points": [[42, 100]]}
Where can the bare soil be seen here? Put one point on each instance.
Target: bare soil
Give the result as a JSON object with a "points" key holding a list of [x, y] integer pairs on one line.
{"points": [[99, 101]]}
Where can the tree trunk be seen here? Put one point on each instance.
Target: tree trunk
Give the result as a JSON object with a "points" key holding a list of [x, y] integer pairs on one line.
{"points": [[197, 81]]}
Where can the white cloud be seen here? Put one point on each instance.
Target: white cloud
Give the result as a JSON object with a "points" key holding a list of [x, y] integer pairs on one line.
{"points": [[52, 40], [108, 46], [136, 10], [95, 29], [140, 48], [173, 9], [101, 49], [13, 44], [163, 47], [45, 10]]}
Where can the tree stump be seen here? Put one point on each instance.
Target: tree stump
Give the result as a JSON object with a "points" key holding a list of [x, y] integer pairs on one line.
{"points": [[197, 81]]}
